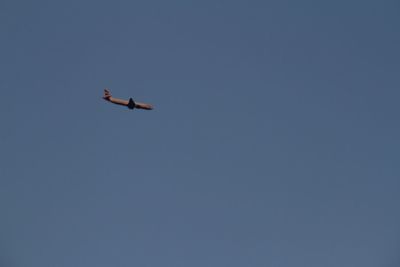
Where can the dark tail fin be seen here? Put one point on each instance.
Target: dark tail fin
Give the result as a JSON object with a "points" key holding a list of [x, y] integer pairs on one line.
{"points": [[131, 104], [106, 94]]}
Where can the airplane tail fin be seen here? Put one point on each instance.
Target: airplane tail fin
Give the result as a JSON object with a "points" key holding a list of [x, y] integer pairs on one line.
{"points": [[131, 104], [106, 94]]}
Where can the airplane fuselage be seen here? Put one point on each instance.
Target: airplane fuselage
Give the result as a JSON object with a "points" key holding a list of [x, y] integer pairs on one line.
{"points": [[117, 101], [131, 104]]}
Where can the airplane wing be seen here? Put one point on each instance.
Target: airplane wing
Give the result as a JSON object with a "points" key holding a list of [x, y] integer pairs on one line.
{"points": [[131, 104]]}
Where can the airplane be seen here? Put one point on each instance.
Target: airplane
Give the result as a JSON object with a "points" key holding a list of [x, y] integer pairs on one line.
{"points": [[128, 103]]}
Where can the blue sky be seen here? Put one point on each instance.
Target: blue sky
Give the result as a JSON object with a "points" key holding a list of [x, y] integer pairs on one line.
{"points": [[274, 140]]}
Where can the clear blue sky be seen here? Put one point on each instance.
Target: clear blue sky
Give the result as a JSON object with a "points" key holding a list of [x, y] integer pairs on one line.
{"points": [[274, 141]]}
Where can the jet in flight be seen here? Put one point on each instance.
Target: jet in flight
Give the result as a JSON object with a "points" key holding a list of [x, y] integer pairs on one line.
{"points": [[128, 103]]}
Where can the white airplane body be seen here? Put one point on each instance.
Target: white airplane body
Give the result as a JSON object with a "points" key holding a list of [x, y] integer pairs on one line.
{"points": [[128, 103]]}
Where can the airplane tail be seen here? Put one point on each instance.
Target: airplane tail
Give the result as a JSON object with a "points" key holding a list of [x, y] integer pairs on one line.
{"points": [[107, 94], [131, 104]]}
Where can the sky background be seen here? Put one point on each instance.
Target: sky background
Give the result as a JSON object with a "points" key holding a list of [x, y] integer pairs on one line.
{"points": [[274, 140]]}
